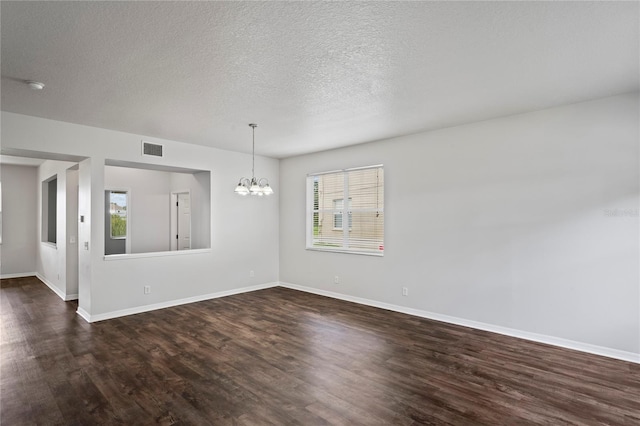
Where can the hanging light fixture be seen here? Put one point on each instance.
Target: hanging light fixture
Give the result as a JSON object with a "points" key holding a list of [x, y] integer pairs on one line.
{"points": [[254, 186]]}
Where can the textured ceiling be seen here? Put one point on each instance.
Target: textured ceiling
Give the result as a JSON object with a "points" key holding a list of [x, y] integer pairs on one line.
{"points": [[313, 75]]}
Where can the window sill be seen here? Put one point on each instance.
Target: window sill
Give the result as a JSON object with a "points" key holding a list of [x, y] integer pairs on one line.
{"points": [[346, 251], [48, 244], [110, 257]]}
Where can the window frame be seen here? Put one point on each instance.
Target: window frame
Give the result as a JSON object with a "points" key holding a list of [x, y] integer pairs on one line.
{"points": [[310, 214]]}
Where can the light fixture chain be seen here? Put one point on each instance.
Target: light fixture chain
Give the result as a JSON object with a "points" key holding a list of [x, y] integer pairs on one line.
{"points": [[259, 187]]}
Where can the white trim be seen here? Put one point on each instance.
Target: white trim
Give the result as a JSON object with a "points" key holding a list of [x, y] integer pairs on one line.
{"points": [[83, 314], [53, 288], [173, 242], [351, 169], [341, 250], [17, 275], [140, 309], [535, 337], [155, 254], [56, 290], [308, 230]]}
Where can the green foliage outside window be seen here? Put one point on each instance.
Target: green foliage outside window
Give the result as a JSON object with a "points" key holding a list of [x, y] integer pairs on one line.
{"points": [[118, 226]]}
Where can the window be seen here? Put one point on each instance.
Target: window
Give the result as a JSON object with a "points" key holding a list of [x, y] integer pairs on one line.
{"points": [[364, 189], [118, 214], [49, 210]]}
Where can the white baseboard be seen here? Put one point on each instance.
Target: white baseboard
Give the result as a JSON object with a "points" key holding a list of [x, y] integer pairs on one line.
{"points": [[140, 309], [18, 275], [56, 290], [53, 288], [541, 338], [83, 314]]}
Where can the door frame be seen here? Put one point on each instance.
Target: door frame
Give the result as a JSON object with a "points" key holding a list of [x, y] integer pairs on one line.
{"points": [[173, 243]]}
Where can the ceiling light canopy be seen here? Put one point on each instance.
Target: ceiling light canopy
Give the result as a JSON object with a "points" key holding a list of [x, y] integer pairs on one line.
{"points": [[253, 186], [35, 85]]}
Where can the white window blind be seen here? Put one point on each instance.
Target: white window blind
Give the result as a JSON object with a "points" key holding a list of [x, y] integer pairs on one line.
{"points": [[338, 208], [364, 213]]}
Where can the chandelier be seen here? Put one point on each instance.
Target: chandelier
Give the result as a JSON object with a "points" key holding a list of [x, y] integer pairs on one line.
{"points": [[254, 186]]}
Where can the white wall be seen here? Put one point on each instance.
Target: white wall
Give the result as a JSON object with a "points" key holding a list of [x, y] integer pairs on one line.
{"points": [[72, 234], [85, 240], [505, 222], [243, 231], [19, 215]]}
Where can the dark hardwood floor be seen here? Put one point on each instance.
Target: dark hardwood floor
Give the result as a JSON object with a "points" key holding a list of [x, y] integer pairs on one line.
{"points": [[284, 357]]}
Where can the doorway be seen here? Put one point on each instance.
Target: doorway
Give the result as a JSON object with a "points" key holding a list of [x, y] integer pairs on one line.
{"points": [[180, 220]]}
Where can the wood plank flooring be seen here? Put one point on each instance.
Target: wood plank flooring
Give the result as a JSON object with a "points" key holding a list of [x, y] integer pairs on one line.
{"points": [[284, 357]]}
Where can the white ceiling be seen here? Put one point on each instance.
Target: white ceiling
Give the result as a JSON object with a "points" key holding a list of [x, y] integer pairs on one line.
{"points": [[313, 75]]}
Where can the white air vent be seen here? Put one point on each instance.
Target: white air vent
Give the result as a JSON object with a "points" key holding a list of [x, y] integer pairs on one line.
{"points": [[152, 149]]}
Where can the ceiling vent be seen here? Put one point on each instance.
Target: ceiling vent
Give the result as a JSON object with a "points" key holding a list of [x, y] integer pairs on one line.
{"points": [[152, 149]]}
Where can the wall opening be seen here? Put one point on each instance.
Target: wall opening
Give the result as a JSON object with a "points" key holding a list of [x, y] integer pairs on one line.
{"points": [[49, 210], [167, 209]]}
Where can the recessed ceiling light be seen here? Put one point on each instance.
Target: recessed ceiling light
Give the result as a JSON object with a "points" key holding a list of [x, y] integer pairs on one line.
{"points": [[35, 85]]}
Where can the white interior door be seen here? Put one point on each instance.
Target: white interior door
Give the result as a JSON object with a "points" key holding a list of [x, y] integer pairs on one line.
{"points": [[184, 221]]}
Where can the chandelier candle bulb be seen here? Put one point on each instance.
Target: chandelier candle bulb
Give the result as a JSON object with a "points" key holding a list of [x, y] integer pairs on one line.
{"points": [[253, 186]]}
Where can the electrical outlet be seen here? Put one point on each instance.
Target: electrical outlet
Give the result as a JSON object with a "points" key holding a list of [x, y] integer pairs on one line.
{"points": [[252, 274], [336, 280], [147, 289], [405, 291]]}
